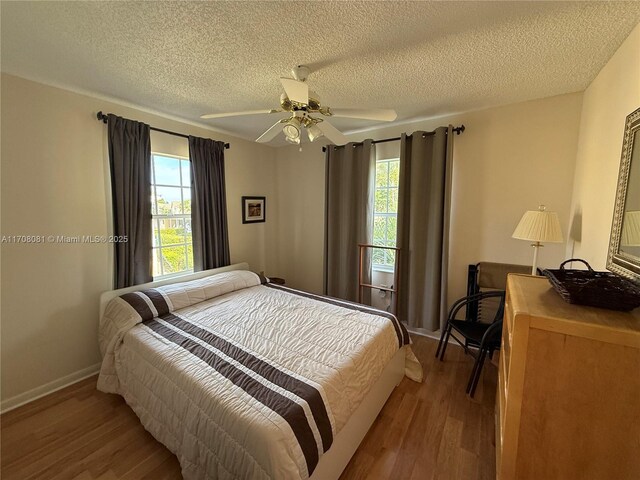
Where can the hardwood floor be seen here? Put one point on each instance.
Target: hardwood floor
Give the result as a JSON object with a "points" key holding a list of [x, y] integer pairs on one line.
{"points": [[432, 430], [425, 431]]}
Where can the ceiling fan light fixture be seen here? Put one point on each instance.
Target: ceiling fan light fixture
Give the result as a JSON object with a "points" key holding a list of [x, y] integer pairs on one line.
{"points": [[293, 141], [314, 132], [291, 129]]}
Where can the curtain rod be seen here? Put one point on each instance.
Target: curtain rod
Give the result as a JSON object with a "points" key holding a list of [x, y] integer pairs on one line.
{"points": [[104, 118], [457, 130]]}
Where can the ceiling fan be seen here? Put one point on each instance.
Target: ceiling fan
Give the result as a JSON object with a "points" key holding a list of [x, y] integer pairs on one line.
{"points": [[305, 111]]}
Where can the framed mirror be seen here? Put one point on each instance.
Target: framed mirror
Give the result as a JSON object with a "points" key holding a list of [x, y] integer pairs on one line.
{"points": [[624, 245]]}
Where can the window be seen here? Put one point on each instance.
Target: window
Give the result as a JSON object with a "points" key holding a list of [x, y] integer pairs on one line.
{"points": [[385, 213], [171, 212]]}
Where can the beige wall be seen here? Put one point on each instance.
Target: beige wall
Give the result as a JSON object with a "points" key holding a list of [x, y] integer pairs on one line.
{"points": [[55, 181], [508, 160], [613, 95], [300, 177]]}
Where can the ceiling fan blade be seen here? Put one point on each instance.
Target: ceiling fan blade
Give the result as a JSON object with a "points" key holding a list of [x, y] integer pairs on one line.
{"points": [[296, 91], [381, 114], [332, 133], [237, 114], [271, 133]]}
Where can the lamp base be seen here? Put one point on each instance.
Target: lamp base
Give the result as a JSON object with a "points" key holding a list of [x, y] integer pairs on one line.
{"points": [[534, 267]]}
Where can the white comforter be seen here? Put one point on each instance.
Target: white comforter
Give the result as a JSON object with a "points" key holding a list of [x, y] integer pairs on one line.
{"points": [[242, 380]]}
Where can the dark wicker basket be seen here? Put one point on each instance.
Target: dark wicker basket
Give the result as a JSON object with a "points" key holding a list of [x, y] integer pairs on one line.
{"points": [[596, 289]]}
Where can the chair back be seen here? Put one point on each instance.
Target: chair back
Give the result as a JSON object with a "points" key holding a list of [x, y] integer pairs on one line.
{"points": [[488, 276]]}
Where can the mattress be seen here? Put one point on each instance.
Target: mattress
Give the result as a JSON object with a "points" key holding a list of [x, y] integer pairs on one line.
{"points": [[243, 379]]}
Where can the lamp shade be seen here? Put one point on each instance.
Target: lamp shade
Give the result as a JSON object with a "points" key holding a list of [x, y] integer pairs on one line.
{"points": [[539, 226], [631, 229]]}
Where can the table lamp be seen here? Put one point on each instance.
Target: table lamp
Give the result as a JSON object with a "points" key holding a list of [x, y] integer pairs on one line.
{"points": [[538, 226]]}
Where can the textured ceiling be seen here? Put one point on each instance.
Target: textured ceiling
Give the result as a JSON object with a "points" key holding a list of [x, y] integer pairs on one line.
{"points": [[421, 58]]}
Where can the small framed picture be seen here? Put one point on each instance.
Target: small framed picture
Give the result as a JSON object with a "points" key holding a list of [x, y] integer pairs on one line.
{"points": [[253, 209]]}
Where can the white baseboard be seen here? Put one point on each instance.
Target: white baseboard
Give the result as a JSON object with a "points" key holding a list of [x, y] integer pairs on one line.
{"points": [[425, 333], [434, 335], [47, 388]]}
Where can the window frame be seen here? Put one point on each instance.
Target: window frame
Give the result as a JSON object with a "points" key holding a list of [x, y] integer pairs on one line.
{"points": [[387, 254], [156, 216]]}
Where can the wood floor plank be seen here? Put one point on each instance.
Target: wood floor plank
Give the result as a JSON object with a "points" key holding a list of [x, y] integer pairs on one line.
{"points": [[383, 464], [78, 391], [67, 451], [96, 462], [49, 436], [447, 460], [426, 431], [360, 468], [147, 466], [398, 429]]}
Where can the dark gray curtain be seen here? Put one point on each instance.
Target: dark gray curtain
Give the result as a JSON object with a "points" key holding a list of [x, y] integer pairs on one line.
{"points": [[208, 204], [423, 225], [130, 163], [350, 178]]}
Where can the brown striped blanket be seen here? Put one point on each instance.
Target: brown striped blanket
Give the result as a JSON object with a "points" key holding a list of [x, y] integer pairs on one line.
{"points": [[242, 379]]}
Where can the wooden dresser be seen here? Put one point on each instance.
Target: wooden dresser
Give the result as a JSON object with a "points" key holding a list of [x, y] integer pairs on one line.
{"points": [[568, 403]]}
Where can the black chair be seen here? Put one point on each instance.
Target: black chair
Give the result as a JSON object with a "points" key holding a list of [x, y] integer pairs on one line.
{"points": [[480, 324], [483, 337]]}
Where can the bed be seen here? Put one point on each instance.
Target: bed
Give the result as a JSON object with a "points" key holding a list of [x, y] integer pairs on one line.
{"points": [[242, 378]]}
